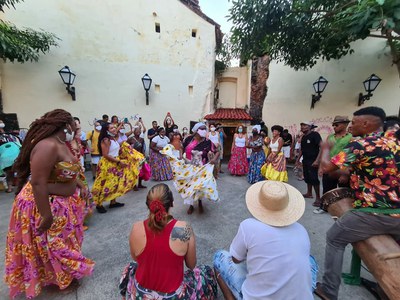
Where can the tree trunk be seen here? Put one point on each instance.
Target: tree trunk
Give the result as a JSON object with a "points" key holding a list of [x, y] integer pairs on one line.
{"points": [[259, 77]]}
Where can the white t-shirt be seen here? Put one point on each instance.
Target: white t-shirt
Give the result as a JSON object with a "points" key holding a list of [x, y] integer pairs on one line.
{"points": [[277, 260], [160, 142]]}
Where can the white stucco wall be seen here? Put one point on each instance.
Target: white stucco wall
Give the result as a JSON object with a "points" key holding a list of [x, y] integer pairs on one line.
{"points": [[239, 94], [110, 46], [289, 92]]}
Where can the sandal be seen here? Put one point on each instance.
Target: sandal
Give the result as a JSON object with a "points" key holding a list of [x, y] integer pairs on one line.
{"points": [[308, 196], [116, 204], [101, 209]]}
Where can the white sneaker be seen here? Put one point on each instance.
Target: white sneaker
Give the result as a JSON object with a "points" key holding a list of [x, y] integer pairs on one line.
{"points": [[319, 211]]}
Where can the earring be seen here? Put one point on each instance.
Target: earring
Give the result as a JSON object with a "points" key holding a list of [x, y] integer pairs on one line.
{"points": [[65, 130]]}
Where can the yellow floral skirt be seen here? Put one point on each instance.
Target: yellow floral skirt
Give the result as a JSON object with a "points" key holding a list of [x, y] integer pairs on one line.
{"points": [[113, 180], [275, 167], [192, 182]]}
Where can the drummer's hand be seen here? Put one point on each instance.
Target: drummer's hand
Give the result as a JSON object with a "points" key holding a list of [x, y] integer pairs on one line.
{"points": [[45, 224]]}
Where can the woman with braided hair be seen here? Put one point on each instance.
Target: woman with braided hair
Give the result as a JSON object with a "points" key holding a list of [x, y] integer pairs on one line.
{"points": [[46, 223], [159, 246]]}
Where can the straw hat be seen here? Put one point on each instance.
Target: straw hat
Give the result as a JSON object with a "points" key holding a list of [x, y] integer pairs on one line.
{"points": [[275, 203]]}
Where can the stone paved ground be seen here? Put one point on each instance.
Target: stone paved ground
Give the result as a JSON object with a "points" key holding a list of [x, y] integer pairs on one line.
{"points": [[106, 240]]}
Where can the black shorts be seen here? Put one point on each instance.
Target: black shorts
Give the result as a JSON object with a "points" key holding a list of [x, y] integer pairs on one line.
{"points": [[310, 173]]}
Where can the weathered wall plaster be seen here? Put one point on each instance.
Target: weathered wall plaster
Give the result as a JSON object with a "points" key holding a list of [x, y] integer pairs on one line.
{"points": [[110, 46]]}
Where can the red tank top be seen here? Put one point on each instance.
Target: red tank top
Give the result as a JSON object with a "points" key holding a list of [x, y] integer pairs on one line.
{"points": [[159, 268]]}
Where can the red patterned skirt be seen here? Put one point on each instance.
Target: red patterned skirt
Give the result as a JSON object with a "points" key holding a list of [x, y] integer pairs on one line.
{"points": [[238, 164]]}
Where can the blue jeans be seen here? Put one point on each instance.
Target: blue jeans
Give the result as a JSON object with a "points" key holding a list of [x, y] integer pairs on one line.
{"points": [[233, 274]]}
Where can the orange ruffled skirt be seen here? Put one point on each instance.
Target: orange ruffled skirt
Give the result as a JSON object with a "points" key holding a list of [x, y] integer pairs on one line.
{"points": [[54, 257]]}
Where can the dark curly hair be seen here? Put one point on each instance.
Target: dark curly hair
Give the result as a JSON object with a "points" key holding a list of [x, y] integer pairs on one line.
{"points": [[44, 127], [277, 127]]}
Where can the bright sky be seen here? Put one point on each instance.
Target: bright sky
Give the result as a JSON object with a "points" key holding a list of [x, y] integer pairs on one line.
{"points": [[217, 10]]}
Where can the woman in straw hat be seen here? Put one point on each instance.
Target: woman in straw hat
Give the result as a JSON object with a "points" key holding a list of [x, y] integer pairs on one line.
{"points": [[269, 258]]}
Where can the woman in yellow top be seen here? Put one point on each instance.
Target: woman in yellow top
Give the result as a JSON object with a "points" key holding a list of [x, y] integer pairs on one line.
{"points": [[45, 234], [93, 137], [275, 166]]}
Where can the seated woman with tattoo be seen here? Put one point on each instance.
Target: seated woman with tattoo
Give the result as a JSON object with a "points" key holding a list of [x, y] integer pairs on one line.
{"points": [[159, 245]]}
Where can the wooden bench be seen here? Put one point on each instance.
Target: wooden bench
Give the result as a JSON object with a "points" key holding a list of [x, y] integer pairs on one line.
{"points": [[380, 253]]}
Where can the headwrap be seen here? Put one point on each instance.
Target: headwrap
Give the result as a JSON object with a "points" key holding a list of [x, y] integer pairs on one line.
{"points": [[258, 127], [158, 209], [197, 126]]}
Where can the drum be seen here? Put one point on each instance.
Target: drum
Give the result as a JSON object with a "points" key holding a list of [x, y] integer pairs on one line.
{"points": [[338, 201]]}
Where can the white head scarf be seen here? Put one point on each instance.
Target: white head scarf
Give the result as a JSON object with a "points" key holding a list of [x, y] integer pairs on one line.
{"points": [[197, 126], [258, 127]]}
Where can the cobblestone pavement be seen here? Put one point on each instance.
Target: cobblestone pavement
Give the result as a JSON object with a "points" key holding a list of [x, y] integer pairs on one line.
{"points": [[106, 241]]}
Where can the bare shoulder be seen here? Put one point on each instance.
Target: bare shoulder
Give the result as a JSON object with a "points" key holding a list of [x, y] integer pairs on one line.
{"points": [[45, 147], [182, 231], [137, 227]]}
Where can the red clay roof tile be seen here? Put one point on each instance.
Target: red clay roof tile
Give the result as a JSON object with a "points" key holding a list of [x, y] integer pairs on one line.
{"points": [[229, 114]]}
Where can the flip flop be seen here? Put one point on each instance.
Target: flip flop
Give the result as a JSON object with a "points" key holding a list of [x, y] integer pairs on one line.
{"points": [[308, 196]]}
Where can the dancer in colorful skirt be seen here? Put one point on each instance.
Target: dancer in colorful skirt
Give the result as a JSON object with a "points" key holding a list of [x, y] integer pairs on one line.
{"points": [[115, 173], [238, 164], [160, 167], [196, 184], [45, 232], [193, 183], [75, 146], [275, 167], [159, 247], [136, 142], [257, 157]]}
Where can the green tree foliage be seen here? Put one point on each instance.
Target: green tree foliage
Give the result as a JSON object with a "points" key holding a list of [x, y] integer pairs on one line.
{"points": [[22, 45], [224, 56], [299, 32]]}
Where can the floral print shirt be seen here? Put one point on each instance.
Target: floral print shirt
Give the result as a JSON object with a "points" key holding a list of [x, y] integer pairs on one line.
{"points": [[375, 162]]}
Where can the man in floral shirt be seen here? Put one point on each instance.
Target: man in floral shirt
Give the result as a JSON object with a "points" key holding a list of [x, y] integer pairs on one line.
{"points": [[374, 162]]}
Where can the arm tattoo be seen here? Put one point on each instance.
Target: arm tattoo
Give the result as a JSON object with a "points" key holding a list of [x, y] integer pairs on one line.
{"points": [[181, 233]]}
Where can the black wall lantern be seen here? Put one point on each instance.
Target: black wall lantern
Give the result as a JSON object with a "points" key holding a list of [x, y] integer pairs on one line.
{"points": [[370, 84], [319, 86], [68, 78], [146, 80]]}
